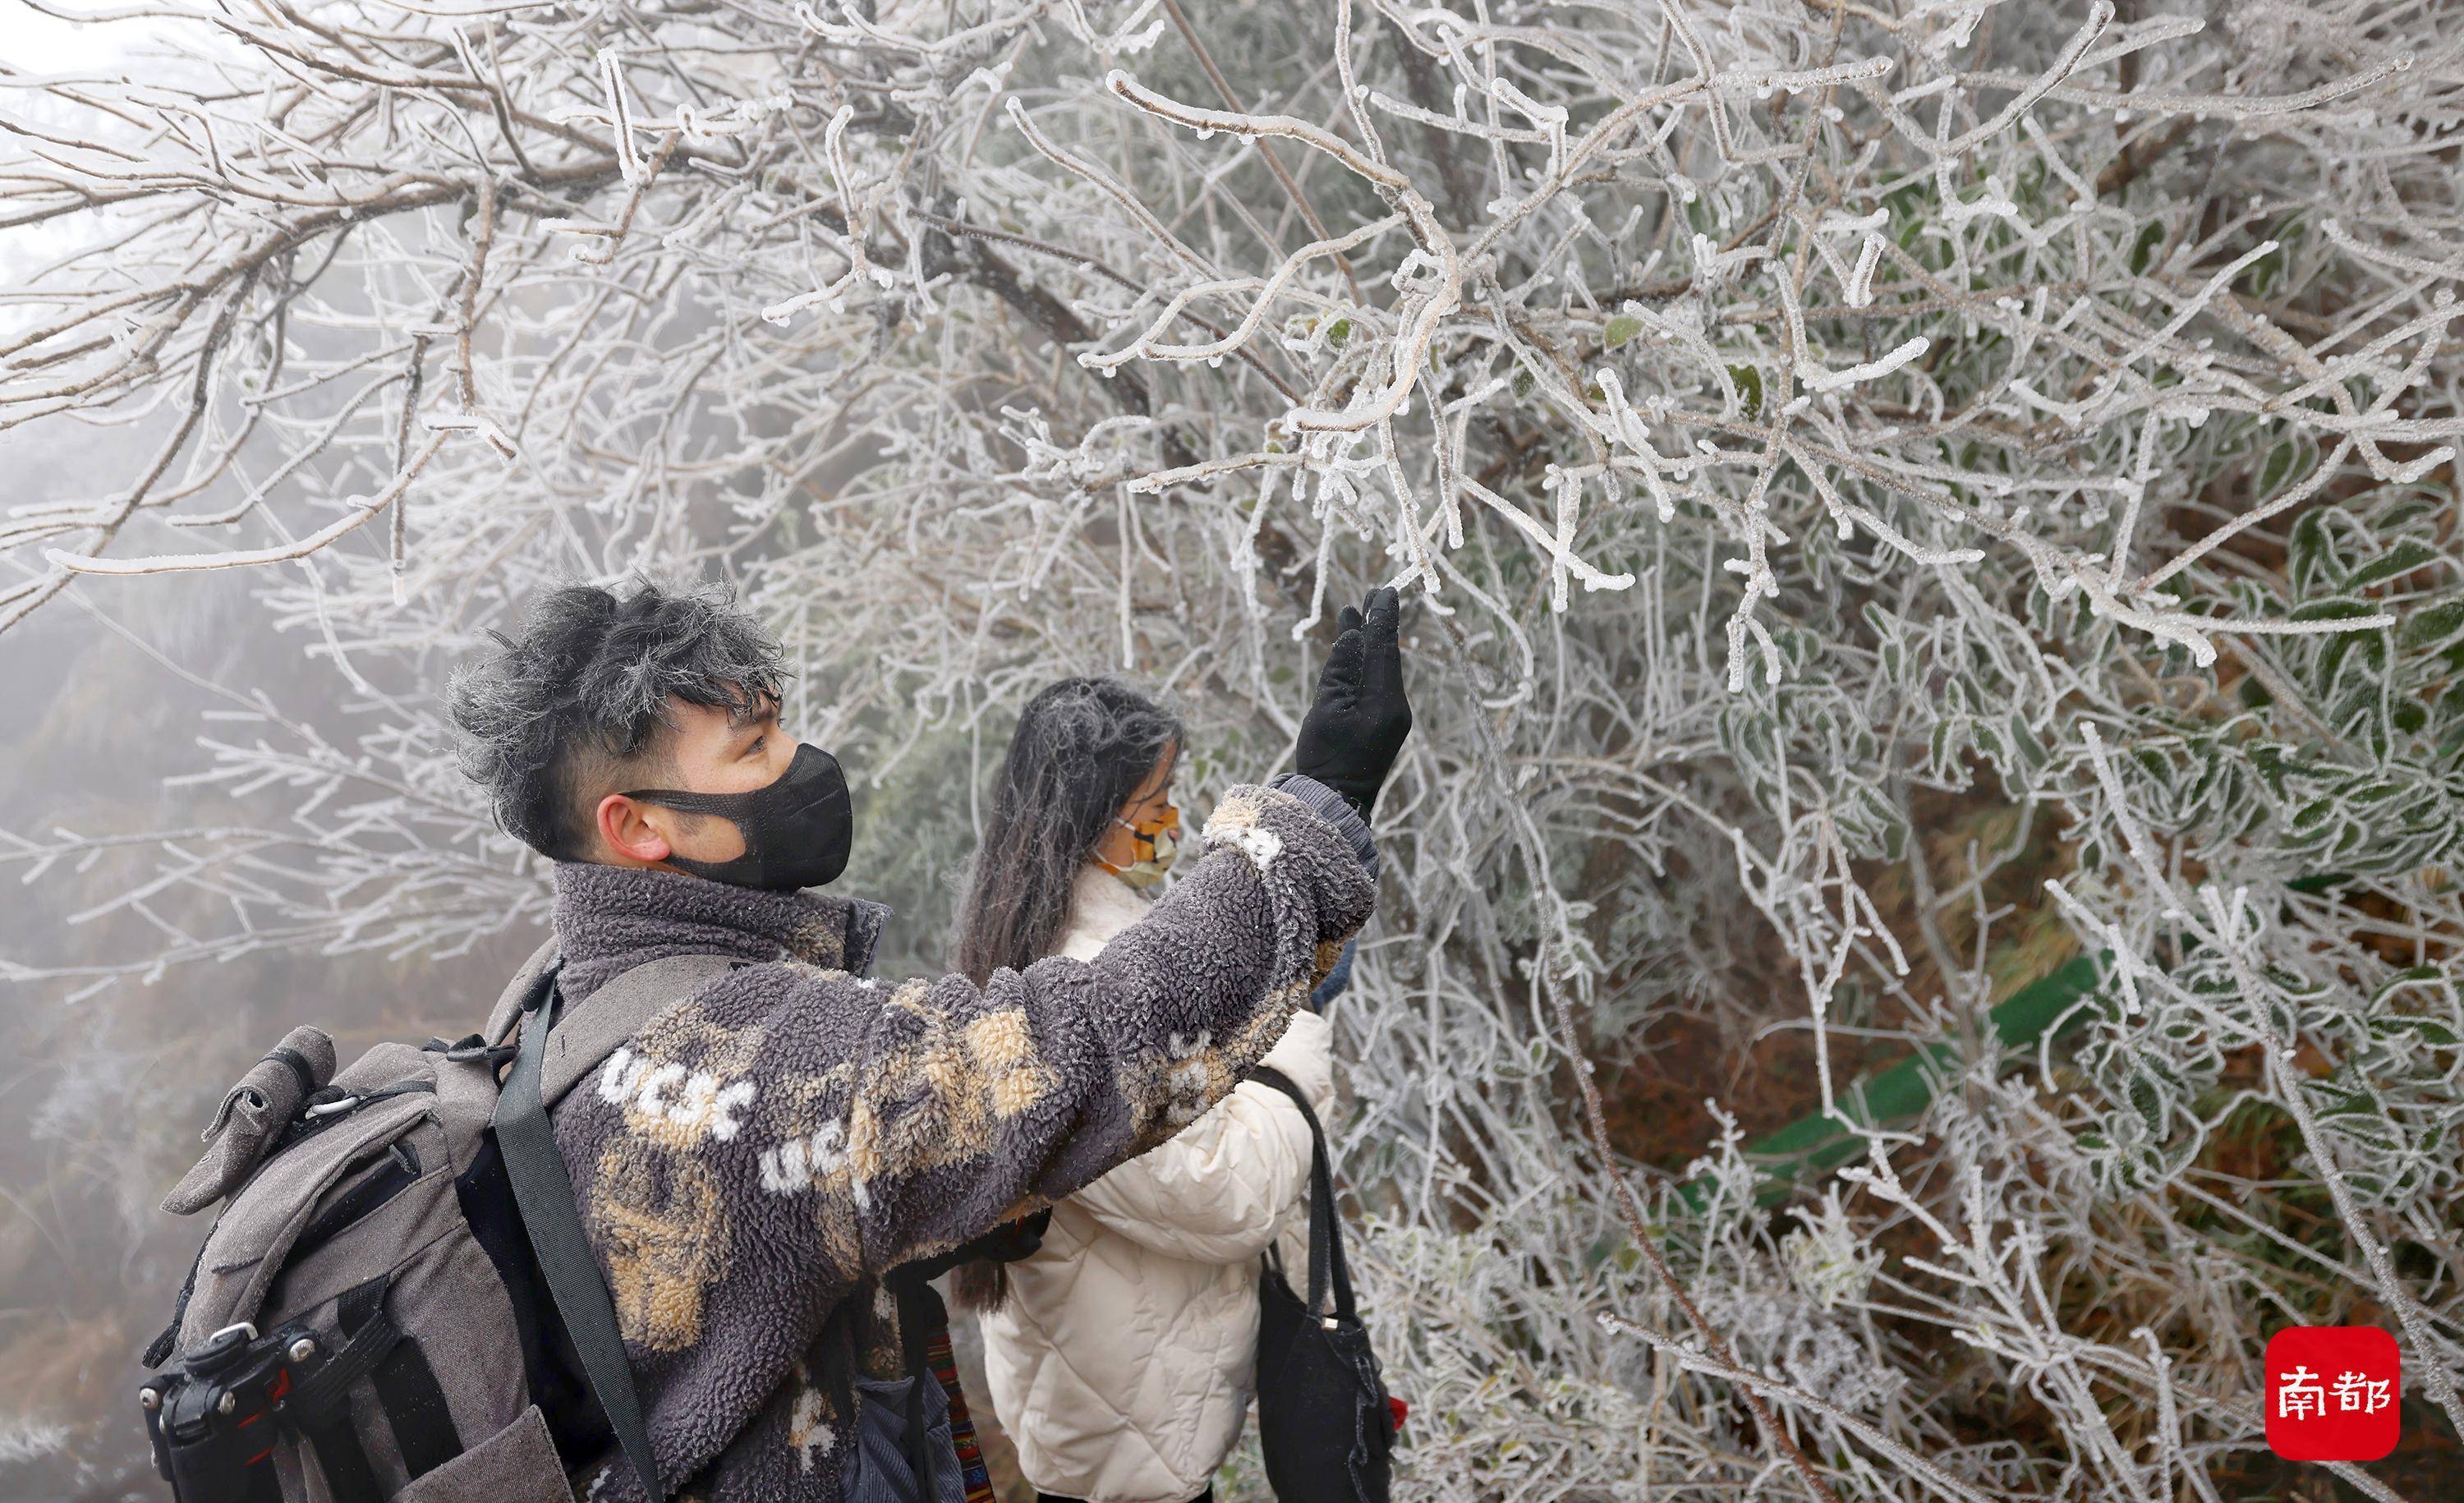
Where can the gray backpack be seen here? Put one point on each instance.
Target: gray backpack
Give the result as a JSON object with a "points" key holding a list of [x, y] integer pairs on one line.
{"points": [[397, 1301]]}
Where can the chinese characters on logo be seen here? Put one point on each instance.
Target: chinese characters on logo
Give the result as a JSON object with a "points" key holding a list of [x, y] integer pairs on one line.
{"points": [[2332, 1393], [2299, 1395]]}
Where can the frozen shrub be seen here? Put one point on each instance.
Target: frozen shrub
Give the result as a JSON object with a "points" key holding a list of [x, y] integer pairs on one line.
{"points": [[1899, 497]]}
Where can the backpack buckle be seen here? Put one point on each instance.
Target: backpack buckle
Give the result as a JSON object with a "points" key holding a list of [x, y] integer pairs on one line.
{"points": [[218, 1350], [473, 1046], [198, 1412]]}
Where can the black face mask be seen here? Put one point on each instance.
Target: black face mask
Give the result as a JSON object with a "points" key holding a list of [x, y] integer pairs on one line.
{"points": [[796, 830]]}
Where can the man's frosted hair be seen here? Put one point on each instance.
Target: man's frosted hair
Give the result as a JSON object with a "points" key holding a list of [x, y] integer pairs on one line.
{"points": [[581, 696]]}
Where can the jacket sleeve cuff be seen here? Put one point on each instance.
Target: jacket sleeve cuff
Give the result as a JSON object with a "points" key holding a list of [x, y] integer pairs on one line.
{"points": [[1336, 811]]}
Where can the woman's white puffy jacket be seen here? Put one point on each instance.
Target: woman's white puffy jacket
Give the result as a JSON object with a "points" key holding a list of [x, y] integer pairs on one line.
{"points": [[1122, 1363]]}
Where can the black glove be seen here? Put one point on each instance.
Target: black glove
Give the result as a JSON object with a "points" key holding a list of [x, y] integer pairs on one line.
{"points": [[1355, 728]]}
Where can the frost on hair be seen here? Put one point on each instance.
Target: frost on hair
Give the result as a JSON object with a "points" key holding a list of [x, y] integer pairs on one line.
{"points": [[585, 690]]}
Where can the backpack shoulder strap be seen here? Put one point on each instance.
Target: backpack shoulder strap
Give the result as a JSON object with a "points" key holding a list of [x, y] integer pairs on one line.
{"points": [[508, 1009], [543, 1192], [586, 1033], [553, 1053]]}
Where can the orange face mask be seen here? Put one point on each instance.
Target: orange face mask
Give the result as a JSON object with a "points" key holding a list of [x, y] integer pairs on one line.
{"points": [[1160, 844]]}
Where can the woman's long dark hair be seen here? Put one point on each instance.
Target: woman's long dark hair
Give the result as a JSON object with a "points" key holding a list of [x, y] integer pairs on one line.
{"points": [[1083, 747]]}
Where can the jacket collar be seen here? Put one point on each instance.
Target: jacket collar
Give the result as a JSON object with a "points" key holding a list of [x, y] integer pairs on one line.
{"points": [[1101, 905], [609, 919]]}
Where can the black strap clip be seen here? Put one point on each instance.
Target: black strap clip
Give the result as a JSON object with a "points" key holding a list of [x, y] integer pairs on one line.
{"points": [[207, 1417], [473, 1046]]}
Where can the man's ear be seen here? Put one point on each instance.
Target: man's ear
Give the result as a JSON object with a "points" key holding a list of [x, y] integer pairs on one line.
{"points": [[625, 828]]}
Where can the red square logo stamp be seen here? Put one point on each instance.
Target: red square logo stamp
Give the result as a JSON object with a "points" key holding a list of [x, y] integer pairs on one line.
{"points": [[2332, 1393]]}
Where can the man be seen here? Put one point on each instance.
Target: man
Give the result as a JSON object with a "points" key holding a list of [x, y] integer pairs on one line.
{"points": [[755, 1160]]}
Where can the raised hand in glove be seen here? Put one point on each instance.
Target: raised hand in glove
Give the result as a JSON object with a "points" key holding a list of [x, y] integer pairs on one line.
{"points": [[1355, 728]]}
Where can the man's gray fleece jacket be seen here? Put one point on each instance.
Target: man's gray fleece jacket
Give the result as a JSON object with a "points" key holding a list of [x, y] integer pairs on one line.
{"points": [[760, 1154]]}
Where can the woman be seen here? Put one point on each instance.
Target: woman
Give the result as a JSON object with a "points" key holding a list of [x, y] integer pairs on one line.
{"points": [[1120, 1355]]}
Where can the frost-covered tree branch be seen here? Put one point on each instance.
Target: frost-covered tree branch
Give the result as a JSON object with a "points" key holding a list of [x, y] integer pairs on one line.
{"points": [[1897, 495]]}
